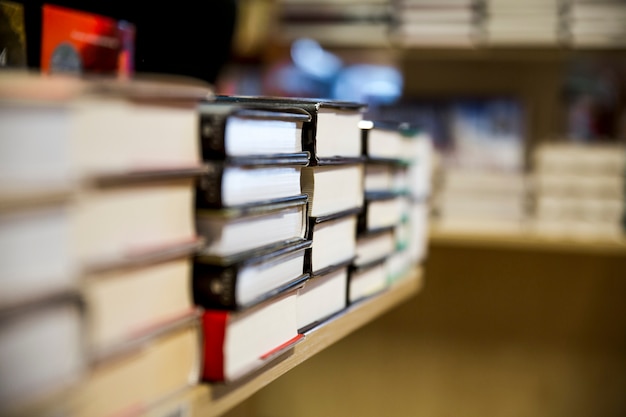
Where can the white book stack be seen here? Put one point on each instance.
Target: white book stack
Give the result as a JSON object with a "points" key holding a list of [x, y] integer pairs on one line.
{"points": [[96, 239], [579, 190], [597, 23], [393, 224], [432, 23], [525, 23]]}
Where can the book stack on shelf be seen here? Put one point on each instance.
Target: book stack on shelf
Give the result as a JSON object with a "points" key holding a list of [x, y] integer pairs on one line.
{"points": [[432, 23], [597, 24], [252, 213], [578, 190], [391, 234], [483, 186], [97, 237], [527, 23], [335, 23]]}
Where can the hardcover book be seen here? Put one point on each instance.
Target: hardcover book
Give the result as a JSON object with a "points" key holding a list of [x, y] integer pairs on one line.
{"points": [[239, 342], [322, 296], [247, 181], [334, 241], [236, 233], [236, 130], [251, 280]]}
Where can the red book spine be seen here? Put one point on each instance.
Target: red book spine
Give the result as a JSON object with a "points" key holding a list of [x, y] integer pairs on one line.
{"points": [[214, 326]]}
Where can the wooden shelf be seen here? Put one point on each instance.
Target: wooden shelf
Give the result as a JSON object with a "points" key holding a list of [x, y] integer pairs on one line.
{"points": [[528, 241], [209, 400]]}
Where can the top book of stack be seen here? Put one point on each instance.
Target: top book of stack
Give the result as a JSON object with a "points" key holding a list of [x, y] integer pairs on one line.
{"points": [[94, 129], [330, 136]]}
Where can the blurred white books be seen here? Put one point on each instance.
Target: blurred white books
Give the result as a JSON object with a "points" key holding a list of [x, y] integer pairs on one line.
{"points": [[579, 190], [525, 23], [42, 351], [86, 129], [419, 23], [482, 201], [597, 24]]}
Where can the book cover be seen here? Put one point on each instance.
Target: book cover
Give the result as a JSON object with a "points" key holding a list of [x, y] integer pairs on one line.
{"points": [[77, 42]]}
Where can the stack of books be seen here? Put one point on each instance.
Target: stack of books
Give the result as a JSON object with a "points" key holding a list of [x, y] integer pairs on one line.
{"points": [[578, 190], [597, 24], [97, 236], [274, 261], [432, 23], [392, 226], [525, 23], [252, 213]]}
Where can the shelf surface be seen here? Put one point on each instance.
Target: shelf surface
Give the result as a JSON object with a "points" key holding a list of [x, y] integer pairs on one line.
{"points": [[528, 241], [208, 400]]}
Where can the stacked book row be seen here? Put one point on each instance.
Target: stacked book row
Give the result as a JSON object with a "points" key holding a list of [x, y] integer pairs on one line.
{"points": [[154, 236]]}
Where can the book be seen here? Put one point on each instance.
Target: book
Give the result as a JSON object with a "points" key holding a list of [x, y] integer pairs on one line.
{"points": [[385, 176], [333, 188], [30, 336], [381, 209], [239, 342], [90, 128], [77, 42], [126, 304], [235, 130], [13, 35], [232, 234], [374, 245], [387, 140], [322, 297], [93, 230], [330, 119], [249, 281], [245, 181], [334, 241], [367, 280], [141, 374]]}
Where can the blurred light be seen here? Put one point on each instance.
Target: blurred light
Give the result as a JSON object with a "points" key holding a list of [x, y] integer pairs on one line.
{"points": [[313, 60], [369, 83]]}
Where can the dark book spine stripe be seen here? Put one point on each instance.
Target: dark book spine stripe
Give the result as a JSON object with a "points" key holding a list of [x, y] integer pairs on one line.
{"points": [[214, 328], [212, 136], [209, 188], [365, 148], [309, 132], [214, 287], [361, 222]]}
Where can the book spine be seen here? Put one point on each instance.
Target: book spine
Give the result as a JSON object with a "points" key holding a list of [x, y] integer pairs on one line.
{"points": [[364, 141], [212, 136], [215, 288], [309, 132], [361, 222], [214, 324], [209, 187]]}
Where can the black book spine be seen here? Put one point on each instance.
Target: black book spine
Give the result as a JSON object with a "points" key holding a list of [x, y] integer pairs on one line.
{"points": [[214, 287], [361, 222], [209, 187], [364, 147], [309, 133], [212, 136]]}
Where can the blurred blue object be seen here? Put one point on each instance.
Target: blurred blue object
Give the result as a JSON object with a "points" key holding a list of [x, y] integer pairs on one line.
{"points": [[372, 84], [310, 58]]}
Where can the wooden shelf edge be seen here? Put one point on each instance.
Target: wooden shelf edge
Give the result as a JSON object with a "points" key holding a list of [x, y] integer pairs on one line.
{"points": [[209, 400], [529, 241]]}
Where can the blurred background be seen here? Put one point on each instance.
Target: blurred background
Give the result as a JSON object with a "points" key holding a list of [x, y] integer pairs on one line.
{"points": [[523, 310]]}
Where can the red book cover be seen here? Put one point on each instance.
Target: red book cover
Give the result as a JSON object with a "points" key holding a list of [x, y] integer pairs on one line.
{"points": [[77, 42]]}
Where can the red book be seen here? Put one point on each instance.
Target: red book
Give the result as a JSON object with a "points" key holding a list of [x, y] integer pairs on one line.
{"points": [[239, 342], [77, 42]]}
